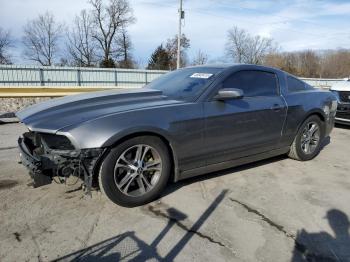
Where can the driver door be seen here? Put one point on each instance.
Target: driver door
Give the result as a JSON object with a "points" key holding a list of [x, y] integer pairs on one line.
{"points": [[236, 128]]}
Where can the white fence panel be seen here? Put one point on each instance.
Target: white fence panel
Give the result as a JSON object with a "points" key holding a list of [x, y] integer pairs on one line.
{"points": [[13, 75]]}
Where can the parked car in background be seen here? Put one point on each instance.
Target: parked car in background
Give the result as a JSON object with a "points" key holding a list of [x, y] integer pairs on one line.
{"points": [[186, 123], [342, 92]]}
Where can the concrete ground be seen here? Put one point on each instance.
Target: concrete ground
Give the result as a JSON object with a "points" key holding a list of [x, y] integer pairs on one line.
{"points": [[274, 210]]}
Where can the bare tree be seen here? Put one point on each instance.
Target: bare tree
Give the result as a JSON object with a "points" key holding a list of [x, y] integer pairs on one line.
{"points": [[108, 19], [41, 37], [123, 49], [312, 63], [200, 58], [81, 45], [244, 48], [5, 44], [335, 63], [236, 44], [171, 48], [287, 61], [309, 64]]}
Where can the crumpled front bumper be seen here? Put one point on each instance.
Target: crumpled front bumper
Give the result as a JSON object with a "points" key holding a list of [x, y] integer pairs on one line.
{"points": [[48, 163], [41, 174]]}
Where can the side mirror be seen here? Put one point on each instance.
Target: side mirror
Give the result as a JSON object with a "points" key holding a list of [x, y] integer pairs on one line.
{"points": [[229, 93]]}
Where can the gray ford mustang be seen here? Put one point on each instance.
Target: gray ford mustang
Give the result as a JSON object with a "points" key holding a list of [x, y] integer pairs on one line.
{"points": [[192, 121]]}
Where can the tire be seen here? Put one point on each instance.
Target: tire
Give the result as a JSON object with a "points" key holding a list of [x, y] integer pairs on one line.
{"points": [[121, 176], [298, 150]]}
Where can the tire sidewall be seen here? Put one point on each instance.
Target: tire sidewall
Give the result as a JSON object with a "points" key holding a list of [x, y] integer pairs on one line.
{"points": [[300, 152], [107, 172]]}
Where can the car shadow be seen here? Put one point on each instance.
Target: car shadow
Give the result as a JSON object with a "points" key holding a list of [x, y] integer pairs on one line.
{"points": [[172, 187], [325, 142], [127, 246]]}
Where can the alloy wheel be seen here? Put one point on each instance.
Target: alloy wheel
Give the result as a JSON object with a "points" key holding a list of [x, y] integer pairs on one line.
{"points": [[137, 170], [310, 138]]}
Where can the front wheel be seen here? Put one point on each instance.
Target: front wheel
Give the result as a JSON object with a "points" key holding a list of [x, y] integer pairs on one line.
{"points": [[136, 171], [307, 143]]}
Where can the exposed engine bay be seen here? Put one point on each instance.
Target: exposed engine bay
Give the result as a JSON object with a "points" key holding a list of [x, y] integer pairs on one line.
{"points": [[51, 157]]}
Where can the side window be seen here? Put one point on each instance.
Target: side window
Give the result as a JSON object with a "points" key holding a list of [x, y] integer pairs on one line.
{"points": [[253, 83], [295, 85]]}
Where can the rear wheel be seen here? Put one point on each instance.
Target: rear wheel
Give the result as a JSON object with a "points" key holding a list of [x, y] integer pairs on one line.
{"points": [[307, 143], [136, 171]]}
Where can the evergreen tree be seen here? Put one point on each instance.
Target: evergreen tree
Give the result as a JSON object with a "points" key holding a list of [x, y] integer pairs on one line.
{"points": [[109, 63], [160, 59]]}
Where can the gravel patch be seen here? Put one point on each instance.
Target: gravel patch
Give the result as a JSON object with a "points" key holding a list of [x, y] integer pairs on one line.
{"points": [[8, 106]]}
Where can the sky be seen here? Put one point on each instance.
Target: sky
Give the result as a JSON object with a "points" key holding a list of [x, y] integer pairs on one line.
{"points": [[294, 25]]}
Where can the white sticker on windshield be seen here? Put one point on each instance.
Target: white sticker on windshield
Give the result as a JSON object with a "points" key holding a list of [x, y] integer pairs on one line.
{"points": [[201, 75]]}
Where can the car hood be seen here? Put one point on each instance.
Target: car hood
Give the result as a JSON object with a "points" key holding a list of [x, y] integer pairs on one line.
{"points": [[55, 114], [341, 86]]}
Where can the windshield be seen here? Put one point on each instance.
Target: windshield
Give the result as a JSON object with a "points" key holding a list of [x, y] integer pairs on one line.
{"points": [[185, 84]]}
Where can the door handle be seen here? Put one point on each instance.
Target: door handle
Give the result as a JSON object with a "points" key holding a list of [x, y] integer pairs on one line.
{"points": [[276, 107]]}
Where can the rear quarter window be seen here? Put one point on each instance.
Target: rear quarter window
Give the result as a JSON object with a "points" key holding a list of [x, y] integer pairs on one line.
{"points": [[296, 85]]}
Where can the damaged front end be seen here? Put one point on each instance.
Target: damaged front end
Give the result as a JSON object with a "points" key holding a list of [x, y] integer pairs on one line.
{"points": [[51, 157]]}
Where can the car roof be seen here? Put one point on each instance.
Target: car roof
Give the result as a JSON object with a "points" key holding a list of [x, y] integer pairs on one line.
{"points": [[218, 66], [341, 86], [232, 65]]}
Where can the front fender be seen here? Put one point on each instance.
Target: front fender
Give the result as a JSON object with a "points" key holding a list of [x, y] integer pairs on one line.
{"points": [[148, 130], [142, 130]]}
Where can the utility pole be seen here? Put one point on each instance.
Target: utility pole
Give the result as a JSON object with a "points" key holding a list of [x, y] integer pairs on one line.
{"points": [[181, 16]]}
